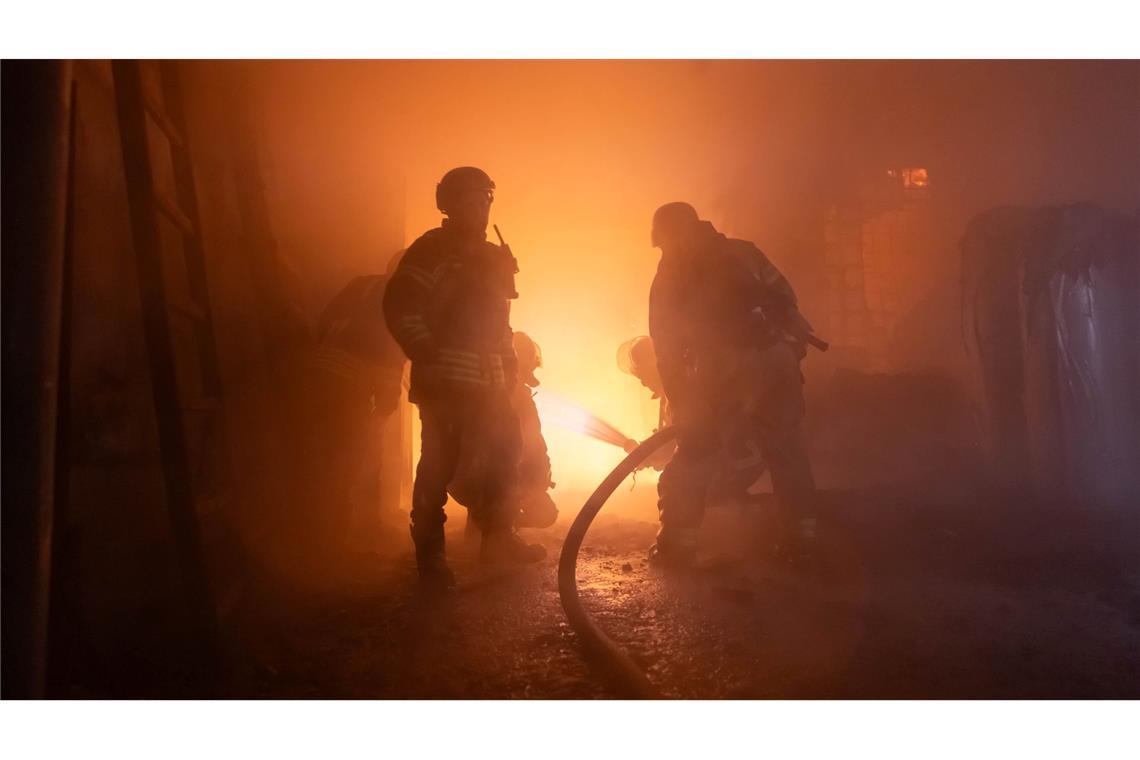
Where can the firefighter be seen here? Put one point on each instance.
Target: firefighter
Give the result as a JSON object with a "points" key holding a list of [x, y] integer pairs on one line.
{"points": [[448, 306], [352, 385], [536, 509], [729, 338], [637, 357], [532, 505], [741, 466]]}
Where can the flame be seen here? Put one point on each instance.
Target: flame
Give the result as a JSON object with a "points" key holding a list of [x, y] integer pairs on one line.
{"points": [[915, 177]]}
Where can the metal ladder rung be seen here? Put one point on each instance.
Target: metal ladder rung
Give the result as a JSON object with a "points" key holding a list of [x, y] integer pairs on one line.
{"points": [[163, 122], [174, 213]]}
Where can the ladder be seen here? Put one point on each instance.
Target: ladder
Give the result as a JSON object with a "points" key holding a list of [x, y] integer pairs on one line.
{"points": [[178, 325]]}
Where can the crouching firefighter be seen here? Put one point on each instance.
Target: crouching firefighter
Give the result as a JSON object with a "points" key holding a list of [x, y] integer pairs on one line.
{"points": [[535, 507], [729, 339], [448, 306], [636, 357], [532, 505], [741, 463]]}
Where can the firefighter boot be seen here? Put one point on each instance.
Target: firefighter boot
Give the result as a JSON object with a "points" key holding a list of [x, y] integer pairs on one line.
{"points": [[431, 563], [538, 511], [504, 547], [676, 548], [798, 547]]}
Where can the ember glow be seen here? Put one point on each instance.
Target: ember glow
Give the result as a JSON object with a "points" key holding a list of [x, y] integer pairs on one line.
{"points": [[915, 178]]}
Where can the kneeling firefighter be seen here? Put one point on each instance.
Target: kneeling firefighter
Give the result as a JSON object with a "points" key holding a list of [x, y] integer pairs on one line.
{"points": [[638, 358], [741, 463], [448, 306], [532, 505], [729, 338]]}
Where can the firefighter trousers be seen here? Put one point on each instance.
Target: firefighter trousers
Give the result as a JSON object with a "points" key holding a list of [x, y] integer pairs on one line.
{"points": [[448, 425]]}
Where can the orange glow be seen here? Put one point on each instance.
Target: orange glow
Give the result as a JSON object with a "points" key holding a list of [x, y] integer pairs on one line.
{"points": [[574, 200], [915, 178], [582, 152], [911, 177]]}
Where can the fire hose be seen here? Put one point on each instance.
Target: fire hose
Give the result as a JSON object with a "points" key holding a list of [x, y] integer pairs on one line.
{"points": [[628, 676]]}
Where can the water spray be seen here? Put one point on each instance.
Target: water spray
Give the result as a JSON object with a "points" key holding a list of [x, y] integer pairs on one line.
{"points": [[560, 412]]}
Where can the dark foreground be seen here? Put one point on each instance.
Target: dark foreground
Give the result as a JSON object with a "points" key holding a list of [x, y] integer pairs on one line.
{"points": [[925, 600]]}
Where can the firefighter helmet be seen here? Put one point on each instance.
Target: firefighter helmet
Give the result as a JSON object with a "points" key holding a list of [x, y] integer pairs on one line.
{"points": [[636, 355], [638, 358], [529, 356], [459, 181], [673, 222]]}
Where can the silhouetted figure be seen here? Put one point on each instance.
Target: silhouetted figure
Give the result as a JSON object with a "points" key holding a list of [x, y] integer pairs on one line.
{"points": [[536, 509], [532, 505], [448, 306], [357, 374], [351, 382], [741, 464], [722, 319], [637, 357]]}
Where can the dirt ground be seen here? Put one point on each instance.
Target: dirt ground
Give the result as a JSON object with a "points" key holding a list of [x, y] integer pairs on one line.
{"points": [[923, 598]]}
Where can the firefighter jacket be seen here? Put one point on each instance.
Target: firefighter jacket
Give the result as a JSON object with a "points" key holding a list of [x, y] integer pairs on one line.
{"points": [[448, 306], [354, 345], [707, 305]]}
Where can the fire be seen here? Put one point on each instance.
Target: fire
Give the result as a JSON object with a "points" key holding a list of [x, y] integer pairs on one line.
{"points": [[560, 260], [916, 178], [911, 177]]}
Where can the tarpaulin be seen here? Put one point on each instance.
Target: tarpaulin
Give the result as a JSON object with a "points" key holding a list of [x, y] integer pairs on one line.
{"points": [[1051, 309]]}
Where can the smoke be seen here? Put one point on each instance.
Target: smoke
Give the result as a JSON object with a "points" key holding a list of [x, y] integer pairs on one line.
{"points": [[584, 151]]}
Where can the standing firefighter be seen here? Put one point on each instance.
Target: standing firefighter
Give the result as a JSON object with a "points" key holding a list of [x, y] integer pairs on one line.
{"points": [[729, 339], [448, 306]]}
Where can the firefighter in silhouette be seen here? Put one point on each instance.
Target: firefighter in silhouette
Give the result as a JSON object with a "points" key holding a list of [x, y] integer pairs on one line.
{"points": [[532, 505], [729, 338], [637, 357], [536, 509], [353, 384], [448, 306], [741, 464]]}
